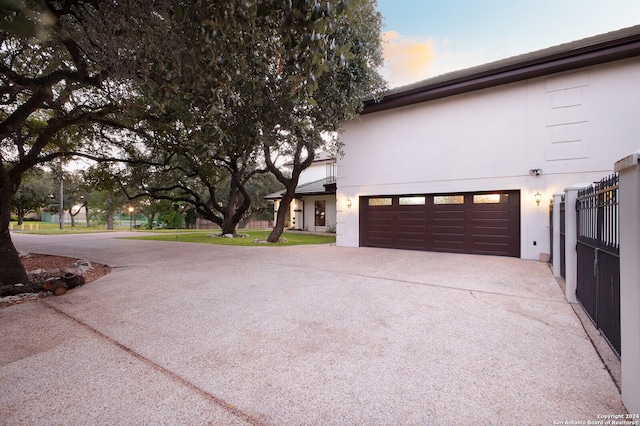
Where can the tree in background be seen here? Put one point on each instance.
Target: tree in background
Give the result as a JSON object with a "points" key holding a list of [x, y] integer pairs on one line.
{"points": [[62, 67], [184, 167], [33, 194], [278, 81], [345, 77], [76, 73], [258, 188], [75, 194], [106, 197], [68, 71]]}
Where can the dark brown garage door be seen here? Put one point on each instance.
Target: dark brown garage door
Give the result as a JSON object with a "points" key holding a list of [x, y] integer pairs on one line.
{"points": [[477, 223]]}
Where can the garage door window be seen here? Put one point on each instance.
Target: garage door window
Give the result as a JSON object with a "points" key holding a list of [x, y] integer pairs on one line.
{"points": [[491, 199], [412, 201], [379, 201], [448, 199]]}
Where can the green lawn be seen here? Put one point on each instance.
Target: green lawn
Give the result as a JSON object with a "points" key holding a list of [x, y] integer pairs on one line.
{"points": [[46, 228], [202, 236], [183, 235]]}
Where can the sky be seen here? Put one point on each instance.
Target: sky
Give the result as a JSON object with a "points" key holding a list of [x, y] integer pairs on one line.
{"points": [[426, 38]]}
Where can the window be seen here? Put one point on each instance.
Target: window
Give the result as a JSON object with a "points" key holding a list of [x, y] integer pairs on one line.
{"points": [[379, 201], [321, 207], [491, 199], [412, 201], [448, 199]]}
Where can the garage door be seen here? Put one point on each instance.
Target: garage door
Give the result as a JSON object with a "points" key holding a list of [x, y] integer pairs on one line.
{"points": [[476, 223]]}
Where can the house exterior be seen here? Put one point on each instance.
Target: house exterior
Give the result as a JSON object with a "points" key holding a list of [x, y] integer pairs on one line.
{"points": [[314, 207], [468, 161]]}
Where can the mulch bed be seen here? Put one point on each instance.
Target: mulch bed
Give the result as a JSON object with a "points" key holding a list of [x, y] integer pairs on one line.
{"points": [[47, 267]]}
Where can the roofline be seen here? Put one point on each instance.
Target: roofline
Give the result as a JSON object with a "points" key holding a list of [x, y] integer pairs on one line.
{"points": [[308, 194], [324, 160], [596, 50], [299, 195]]}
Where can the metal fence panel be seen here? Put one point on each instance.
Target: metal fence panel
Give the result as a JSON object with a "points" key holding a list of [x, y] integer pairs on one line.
{"points": [[551, 232], [563, 262], [598, 289]]}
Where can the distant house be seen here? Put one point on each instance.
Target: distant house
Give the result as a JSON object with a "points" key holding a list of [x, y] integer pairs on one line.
{"points": [[467, 162], [314, 208]]}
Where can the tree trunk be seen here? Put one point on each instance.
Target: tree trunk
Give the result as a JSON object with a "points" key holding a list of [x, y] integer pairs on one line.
{"points": [[109, 214], [73, 218], [20, 215], [14, 290], [86, 212], [57, 286], [246, 219], [290, 183], [278, 229], [232, 212], [11, 269], [228, 227], [150, 218]]}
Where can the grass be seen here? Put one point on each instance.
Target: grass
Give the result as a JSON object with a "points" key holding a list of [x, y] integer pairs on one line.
{"points": [[202, 237], [292, 238], [46, 228]]}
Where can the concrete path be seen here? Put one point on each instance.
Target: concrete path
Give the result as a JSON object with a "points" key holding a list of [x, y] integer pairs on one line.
{"points": [[192, 334]]}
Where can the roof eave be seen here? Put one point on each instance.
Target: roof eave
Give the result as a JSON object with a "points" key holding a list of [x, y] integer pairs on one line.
{"points": [[512, 71]]}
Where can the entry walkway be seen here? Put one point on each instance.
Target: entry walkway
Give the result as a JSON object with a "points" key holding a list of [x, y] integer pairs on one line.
{"points": [[201, 334]]}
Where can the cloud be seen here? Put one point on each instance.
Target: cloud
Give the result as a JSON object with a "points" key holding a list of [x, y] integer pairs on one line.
{"points": [[409, 59], [406, 59]]}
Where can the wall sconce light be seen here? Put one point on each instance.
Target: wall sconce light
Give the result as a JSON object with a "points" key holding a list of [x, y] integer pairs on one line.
{"points": [[348, 203], [535, 172], [538, 197]]}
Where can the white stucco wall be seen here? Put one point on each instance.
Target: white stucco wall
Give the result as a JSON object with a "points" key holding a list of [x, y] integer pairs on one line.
{"points": [[572, 125], [314, 172], [306, 206], [309, 213]]}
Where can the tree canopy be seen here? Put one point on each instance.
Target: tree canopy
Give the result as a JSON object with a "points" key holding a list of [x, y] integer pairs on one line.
{"points": [[206, 94]]}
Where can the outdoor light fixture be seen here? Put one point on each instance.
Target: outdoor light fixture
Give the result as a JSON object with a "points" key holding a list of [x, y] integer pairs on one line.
{"points": [[538, 197], [535, 172], [130, 218], [348, 203]]}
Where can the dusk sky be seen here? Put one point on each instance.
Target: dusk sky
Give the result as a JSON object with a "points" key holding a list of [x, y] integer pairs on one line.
{"points": [[426, 38]]}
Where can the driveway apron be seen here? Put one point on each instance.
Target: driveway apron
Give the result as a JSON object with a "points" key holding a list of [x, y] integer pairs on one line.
{"points": [[194, 334]]}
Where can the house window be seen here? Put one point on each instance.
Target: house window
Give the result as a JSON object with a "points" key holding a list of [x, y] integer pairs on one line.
{"points": [[321, 216]]}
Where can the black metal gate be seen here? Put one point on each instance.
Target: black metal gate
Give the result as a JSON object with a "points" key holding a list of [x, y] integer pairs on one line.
{"points": [[598, 286], [561, 210], [551, 231], [563, 262]]}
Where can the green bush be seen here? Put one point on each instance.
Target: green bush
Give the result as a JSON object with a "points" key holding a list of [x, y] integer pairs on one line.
{"points": [[171, 220]]}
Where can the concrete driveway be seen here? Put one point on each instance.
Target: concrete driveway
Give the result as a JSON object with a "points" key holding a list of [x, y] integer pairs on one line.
{"points": [[192, 334]]}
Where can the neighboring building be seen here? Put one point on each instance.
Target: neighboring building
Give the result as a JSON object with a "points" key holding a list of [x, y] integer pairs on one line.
{"points": [[314, 208], [468, 161]]}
